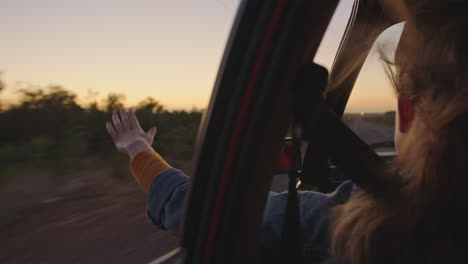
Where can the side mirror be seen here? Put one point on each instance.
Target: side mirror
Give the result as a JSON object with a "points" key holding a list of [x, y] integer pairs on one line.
{"points": [[285, 160], [284, 164]]}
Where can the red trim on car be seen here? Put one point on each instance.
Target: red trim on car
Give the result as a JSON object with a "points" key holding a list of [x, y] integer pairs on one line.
{"points": [[240, 123]]}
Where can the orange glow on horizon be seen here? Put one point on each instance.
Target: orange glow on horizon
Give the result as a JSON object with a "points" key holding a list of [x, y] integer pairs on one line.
{"points": [[166, 50]]}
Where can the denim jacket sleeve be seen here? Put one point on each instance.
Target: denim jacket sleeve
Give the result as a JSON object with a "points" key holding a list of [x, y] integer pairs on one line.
{"points": [[166, 198]]}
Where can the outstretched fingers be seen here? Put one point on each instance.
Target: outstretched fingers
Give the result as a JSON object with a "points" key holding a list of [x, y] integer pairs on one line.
{"points": [[117, 123], [112, 132], [133, 119], [126, 124]]}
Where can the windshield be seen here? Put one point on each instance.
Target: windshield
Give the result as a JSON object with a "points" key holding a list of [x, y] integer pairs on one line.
{"points": [[371, 109]]}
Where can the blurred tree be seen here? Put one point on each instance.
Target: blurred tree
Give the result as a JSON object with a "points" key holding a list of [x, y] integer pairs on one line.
{"points": [[2, 87], [57, 98], [150, 105], [113, 102], [2, 84]]}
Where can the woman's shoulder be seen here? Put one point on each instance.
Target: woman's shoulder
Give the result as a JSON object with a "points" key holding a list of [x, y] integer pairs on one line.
{"points": [[314, 219], [342, 193], [310, 201]]}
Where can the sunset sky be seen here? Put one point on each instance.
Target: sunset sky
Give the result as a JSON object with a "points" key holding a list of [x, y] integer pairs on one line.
{"points": [[169, 50]]}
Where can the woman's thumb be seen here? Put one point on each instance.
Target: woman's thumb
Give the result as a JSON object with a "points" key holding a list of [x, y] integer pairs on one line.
{"points": [[151, 133]]}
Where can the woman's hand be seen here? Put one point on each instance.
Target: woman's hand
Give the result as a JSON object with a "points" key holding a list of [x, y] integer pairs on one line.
{"points": [[127, 134]]}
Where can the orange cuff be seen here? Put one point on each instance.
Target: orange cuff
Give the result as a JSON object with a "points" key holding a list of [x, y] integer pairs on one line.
{"points": [[145, 166]]}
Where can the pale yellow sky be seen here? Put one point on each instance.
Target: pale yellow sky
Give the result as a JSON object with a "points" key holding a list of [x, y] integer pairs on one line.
{"points": [[169, 50]]}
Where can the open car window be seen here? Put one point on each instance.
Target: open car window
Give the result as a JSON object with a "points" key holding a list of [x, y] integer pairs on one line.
{"points": [[65, 66]]}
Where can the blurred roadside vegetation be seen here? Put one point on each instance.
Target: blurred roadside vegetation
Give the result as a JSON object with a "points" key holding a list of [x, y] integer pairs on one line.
{"points": [[55, 151], [47, 129], [386, 119]]}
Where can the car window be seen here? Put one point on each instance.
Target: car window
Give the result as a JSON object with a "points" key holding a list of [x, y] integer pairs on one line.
{"points": [[328, 48], [370, 111], [65, 67]]}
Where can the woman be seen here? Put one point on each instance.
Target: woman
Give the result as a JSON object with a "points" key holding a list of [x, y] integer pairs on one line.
{"points": [[423, 220]]}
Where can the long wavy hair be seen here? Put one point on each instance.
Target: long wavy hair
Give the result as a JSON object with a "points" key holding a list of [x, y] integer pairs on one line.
{"points": [[425, 220]]}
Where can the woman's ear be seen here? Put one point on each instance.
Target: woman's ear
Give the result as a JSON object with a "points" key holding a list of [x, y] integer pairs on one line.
{"points": [[405, 114]]}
